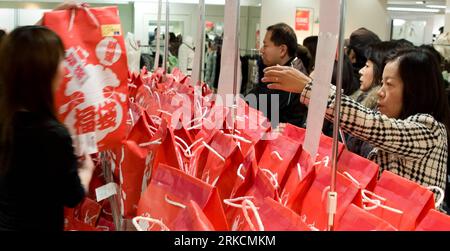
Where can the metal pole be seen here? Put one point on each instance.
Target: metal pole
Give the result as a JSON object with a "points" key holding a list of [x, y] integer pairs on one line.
{"points": [[166, 40], [236, 64], [202, 41], [332, 195], [158, 37]]}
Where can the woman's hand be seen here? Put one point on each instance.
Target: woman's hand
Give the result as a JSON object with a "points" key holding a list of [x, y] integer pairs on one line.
{"points": [[70, 4], [285, 78], [85, 170], [67, 5]]}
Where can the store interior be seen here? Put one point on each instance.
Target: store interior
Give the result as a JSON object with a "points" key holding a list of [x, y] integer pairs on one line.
{"points": [[137, 97]]}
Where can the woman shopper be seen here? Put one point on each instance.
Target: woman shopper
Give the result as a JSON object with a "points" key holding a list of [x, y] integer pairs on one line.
{"points": [[39, 173], [409, 131]]}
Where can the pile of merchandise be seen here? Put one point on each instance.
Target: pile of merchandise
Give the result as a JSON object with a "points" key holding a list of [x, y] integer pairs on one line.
{"points": [[247, 176], [177, 158]]}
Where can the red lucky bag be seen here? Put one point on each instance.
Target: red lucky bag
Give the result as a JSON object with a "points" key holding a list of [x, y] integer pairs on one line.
{"points": [[299, 179], [84, 217], [135, 170], [223, 152], [362, 170], [357, 219], [434, 221], [410, 200], [277, 157], [191, 218], [261, 187], [272, 216], [325, 143], [171, 190], [314, 204], [92, 100]]}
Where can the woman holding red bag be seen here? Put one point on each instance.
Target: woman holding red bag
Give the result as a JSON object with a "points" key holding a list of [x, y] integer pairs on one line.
{"points": [[411, 127], [39, 173]]}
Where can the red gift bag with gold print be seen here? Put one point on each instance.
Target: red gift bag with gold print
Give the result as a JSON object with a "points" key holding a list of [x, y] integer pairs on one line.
{"points": [[92, 100]]}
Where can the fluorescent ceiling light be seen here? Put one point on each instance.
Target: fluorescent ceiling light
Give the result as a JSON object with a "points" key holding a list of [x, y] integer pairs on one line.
{"points": [[436, 6], [412, 9]]}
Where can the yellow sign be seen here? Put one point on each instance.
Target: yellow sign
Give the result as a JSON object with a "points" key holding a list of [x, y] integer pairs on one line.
{"points": [[111, 30]]}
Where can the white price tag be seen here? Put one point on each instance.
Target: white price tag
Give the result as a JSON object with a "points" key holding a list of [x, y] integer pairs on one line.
{"points": [[106, 191], [85, 143]]}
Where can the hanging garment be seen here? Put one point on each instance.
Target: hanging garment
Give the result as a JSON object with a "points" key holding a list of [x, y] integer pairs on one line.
{"points": [[133, 53], [186, 56]]}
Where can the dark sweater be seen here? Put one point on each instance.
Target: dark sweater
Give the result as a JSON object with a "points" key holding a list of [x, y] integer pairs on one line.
{"points": [[290, 109], [42, 176]]}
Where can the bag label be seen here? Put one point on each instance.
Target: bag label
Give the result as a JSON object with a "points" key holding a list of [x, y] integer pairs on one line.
{"points": [[111, 30], [106, 191]]}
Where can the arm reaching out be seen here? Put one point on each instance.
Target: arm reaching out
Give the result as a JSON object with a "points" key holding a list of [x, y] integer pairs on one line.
{"points": [[67, 5]]}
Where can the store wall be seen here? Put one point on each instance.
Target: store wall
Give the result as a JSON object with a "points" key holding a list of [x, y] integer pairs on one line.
{"points": [[188, 14], [273, 12], [371, 14], [29, 12]]}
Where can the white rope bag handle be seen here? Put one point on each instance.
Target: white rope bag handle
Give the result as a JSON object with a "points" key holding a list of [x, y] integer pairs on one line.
{"points": [[441, 198], [90, 15], [148, 220]]}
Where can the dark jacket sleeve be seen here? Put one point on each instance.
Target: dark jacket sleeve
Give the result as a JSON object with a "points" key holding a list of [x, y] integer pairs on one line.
{"points": [[66, 165]]}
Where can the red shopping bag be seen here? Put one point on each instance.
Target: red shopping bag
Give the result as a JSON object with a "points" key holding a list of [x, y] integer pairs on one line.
{"points": [[171, 190], [92, 100], [413, 201], [276, 217], [223, 152], [136, 168], [192, 219], [325, 143], [357, 219], [257, 189], [434, 221], [237, 179], [277, 157], [362, 170], [314, 204], [83, 217], [299, 179]]}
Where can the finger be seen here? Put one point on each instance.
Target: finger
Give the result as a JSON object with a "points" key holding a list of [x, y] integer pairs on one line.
{"points": [[274, 74], [274, 68], [270, 79], [275, 87]]}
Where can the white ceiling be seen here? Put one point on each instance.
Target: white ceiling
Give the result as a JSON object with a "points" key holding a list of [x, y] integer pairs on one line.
{"points": [[212, 2]]}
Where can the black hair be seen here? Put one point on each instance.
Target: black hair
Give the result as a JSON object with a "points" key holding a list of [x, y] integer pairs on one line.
{"points": [[423, 87], [284, 34], [360, 39], [30, 57]]}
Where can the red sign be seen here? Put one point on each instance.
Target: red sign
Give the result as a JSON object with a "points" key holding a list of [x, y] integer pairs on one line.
{"points": [[302, 20]]}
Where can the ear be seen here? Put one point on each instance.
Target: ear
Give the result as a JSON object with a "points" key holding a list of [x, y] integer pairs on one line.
{"points": [[283, 50]]}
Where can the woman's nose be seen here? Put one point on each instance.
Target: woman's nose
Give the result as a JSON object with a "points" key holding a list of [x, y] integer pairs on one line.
{"points": [[380, 92]]}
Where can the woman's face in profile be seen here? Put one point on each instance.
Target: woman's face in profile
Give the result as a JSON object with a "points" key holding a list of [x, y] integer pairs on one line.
{"points": [[390, 102], [366, 78]]}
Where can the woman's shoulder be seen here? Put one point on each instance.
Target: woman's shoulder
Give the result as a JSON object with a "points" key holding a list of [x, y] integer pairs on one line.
{"points": [[46, 126], [426, 119]]}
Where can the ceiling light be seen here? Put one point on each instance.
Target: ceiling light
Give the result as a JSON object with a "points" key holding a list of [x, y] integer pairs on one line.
{"points": [[420, 2], [412, 9], [436, 6]]}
